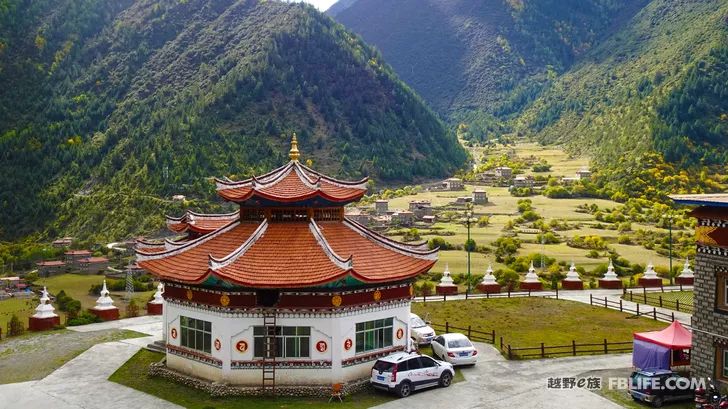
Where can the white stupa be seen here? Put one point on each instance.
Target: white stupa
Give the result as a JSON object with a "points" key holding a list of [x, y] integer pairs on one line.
{"points": [[610, 274], [158, 299], [572, 275], [650, 273], [686, 271], [104, 302], [45, 309], [531, 276], [446, 280], [489, 278]]}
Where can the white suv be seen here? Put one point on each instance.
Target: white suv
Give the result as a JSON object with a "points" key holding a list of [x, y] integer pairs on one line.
{"points": [[403, 373]]}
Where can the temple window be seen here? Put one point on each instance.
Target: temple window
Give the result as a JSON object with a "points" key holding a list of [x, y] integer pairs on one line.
{"points": [[373, 335], [721, 362], [291, 342], [721, 296], [196, 334]]}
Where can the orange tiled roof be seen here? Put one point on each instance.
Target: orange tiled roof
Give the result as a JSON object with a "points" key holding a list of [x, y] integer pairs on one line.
{"points": [[292, 183], [200, 222], [288, 255]]}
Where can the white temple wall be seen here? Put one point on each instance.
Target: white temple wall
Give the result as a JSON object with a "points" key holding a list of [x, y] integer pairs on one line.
{"points": [[236, 344]]}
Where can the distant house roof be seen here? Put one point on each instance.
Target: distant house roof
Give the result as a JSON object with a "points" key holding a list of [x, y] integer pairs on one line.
{"points": [[9, 278], [94, 260], [51, 263], [715, 199], [77, 253], [478, 191]]}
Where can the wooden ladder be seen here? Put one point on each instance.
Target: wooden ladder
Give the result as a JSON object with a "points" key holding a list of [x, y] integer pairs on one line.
{"points": [[269, 353]]}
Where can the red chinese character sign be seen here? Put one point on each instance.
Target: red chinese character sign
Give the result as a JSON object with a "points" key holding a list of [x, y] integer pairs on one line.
{"points": [[321, 346], [348, 344], [218, 345], [400, 333], [241, 346], [173, 333]]}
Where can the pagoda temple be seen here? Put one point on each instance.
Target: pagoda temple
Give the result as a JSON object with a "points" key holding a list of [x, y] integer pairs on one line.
{"points": [[285, 290]]}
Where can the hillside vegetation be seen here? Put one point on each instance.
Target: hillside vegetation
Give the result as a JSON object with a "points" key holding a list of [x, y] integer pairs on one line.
{"points": [[109, 108]]}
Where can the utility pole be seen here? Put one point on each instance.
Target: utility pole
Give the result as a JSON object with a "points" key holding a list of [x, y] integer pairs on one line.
{"points": [[468, 216], [669, 220]]}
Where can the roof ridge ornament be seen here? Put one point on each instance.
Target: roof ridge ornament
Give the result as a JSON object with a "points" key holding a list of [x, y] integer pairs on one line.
{"points": [[294, 154]]}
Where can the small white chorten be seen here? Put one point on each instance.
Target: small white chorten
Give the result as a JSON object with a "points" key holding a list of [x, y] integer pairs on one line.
{"points": [[650, 273], [572, 275], [531, 276], [610, 274], [104, 302], [446, 280], [686, 271], [45, 309], [489, 278]]}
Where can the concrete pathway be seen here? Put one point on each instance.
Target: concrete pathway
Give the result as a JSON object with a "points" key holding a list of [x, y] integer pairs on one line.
{"points": [[83, 382], [495, 382]]}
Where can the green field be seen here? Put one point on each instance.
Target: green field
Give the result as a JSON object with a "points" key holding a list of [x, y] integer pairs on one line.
{"points": [[528, 321], [22, 307], [134, 375]]}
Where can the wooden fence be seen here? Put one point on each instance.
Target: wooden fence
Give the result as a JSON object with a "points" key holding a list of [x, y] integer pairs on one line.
{"points": [[467, 296], [637, 310], [656, 299], [541, 351]]}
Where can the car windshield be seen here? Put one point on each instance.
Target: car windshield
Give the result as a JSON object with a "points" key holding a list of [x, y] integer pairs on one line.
{"points": [[384, 366], [458, 343], [417, 322]]}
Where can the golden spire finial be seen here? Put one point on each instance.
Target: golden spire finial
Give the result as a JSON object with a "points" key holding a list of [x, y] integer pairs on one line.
{"points": [[293, 153]]}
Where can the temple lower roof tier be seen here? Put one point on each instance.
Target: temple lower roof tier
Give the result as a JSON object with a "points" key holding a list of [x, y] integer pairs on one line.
{"points": [[286, 254]]}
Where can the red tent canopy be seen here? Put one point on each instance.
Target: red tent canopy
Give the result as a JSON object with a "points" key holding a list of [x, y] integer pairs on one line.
{"points": [[674, 337]]}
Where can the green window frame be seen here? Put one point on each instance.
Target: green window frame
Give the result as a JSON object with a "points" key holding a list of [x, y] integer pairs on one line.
{"points": [[374, 335], [291, 342], [195, 334]]}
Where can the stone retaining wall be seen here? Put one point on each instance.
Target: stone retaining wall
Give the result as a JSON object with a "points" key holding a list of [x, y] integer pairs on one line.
{"points": [[216, 389]]}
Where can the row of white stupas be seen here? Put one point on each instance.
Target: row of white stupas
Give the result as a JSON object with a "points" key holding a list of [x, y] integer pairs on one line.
{"points": [[572, 280], [45, 317]]}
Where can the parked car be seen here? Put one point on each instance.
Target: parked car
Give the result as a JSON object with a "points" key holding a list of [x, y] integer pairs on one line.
{"points": [[404, 373], [420, 332], [455, 349], [659, 386]]}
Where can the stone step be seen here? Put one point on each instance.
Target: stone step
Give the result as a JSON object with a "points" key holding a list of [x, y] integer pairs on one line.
{"points": [[157, 346]]}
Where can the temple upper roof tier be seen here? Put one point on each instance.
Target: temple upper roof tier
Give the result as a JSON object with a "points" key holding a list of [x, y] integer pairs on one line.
{"points": [[291, 185]]}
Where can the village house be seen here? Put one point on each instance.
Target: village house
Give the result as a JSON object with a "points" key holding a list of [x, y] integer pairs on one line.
{"points": [[73, 258], [93, 265], [523, 181], [583, 174], [503, 172], [479, 196], [453, 184], [358, 216], [403, 218], [463, 200], [62, 242], [421, 208], [709, 356], [381, 207], [50, 268], [291, 294], [428, 219]]}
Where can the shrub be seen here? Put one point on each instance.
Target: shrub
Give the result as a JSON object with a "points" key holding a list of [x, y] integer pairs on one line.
{"points": [[624, 239], [15, 326], [547, 238], [83, 318], [470, 245], [132, 309], [427, 288], [507, 278], [436, 242], [483, 221], [541, 167], [592, 254]]}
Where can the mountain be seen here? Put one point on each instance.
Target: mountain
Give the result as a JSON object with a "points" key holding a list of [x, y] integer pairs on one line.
{"points": [[624, 79], [107, 109], [484, 56]]}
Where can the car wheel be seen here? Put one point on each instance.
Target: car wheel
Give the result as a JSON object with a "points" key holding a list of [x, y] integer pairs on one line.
{"points": [[657, 403], [404, 389], [445, 379]]}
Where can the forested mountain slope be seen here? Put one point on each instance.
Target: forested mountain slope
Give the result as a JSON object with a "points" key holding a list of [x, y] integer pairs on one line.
{"points": [[109, 108]]}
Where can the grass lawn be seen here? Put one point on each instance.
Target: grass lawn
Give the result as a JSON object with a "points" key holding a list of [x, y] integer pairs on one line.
{"points": [[77, 286], [134, 375], [528, 321], [22, 307], [34, 355]]}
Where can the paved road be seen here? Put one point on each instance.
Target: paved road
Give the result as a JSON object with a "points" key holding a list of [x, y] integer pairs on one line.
{"points": [[498, 383], [82, 382]]}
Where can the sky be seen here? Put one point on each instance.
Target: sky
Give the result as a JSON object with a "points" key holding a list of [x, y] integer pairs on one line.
{"points": [[321, 4]]}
